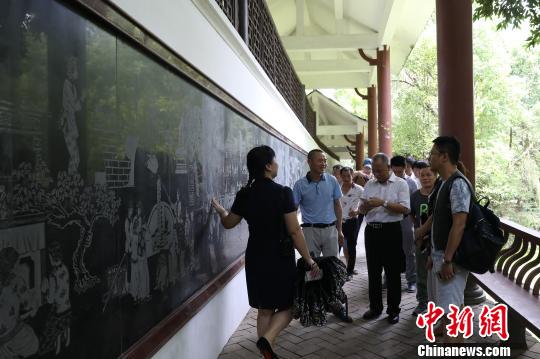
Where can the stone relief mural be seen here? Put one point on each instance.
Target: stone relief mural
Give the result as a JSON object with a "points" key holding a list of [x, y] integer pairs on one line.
{"points": [[108, 162]]}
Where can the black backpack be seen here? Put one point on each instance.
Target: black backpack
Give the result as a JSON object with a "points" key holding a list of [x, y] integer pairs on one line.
{"points": [[482, 239]]}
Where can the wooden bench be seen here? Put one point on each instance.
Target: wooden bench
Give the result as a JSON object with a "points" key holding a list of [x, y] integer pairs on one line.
{"points": [[515, 282]]}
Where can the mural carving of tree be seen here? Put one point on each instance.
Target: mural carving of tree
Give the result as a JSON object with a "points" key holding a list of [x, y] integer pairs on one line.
{"points": [[71, 203]]}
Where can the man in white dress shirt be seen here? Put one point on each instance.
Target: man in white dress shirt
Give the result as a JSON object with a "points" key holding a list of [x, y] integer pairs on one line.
{"points": [[350, 202], [398, 165], [385, 200]]}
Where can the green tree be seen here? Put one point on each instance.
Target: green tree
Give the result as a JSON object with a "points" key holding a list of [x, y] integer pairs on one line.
{"points": [[415, 100], [512, 13], [507, 116]]}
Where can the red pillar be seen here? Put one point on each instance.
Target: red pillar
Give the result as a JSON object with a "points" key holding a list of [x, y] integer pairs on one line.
{"points": [[359, 150], [384, 103], [385, 100], [372, 120], [371, 98], [455, 72]]}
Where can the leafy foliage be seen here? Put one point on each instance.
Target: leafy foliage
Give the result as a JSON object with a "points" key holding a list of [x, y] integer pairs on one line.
{"points": [[512, 13], [415, 101]]}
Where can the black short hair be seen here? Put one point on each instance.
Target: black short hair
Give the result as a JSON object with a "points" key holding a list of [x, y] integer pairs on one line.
{"points": [[421, 164], [410, 160], [312, 152], [346, 169], [449, 145], [381, 156], [257, 159], [397, 161]]}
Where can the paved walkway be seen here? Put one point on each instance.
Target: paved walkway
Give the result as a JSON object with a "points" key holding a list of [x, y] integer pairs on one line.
{"points": [[360, 339]]}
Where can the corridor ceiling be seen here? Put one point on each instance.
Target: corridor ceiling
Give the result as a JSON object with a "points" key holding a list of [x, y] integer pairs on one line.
{"points": [[333, 122], [322, 37]]}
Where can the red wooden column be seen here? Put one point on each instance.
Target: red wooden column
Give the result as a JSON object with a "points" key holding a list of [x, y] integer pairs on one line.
{"points": [[371, 98], [359, 150], [384, 103], [455, 72]]}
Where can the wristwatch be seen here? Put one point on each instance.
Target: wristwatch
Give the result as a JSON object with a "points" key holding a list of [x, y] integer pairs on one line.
{"points": [[385, 204]]}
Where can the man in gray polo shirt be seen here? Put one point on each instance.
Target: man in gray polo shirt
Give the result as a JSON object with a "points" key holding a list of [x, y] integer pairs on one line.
{"points": [[317, 194]]}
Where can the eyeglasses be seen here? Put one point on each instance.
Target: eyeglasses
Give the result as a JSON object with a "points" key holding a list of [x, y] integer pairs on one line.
{"points": [[432, 153]]}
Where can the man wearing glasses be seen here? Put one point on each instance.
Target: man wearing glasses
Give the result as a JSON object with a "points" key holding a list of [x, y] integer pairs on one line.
{"points": [[385, 201], [446, 280]]}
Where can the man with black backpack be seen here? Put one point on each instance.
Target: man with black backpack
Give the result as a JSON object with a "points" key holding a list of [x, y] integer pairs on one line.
{"points": [[446, 279]]}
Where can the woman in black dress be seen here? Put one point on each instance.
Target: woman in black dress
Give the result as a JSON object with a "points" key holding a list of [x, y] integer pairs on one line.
{"points": [[270, 213]]}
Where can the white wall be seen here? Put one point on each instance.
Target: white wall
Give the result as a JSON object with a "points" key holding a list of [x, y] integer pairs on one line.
{"points": [[207, 333], [200, 33]]}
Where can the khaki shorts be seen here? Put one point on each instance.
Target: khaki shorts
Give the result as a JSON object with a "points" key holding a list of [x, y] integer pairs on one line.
{"points": [[446, 292], [322, 240]]}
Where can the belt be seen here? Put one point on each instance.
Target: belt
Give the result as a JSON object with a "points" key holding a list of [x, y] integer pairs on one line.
{"points": [[318, 225], [381, 225]]}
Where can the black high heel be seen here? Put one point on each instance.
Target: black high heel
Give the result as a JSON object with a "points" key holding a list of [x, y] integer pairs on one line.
{"points": [[266, 349]]}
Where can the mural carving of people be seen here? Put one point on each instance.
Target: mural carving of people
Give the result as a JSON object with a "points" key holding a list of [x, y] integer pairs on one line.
{"points": [[161, 272], [139, 284], [189, 253], [162, 233], [17, 339], [180, 236], [56, 290], [173, 257], [127, 226], [3, 203], [71, 104]]}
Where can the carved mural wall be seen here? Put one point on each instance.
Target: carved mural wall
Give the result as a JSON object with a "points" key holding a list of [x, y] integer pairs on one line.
{"points": [[108, 162]]}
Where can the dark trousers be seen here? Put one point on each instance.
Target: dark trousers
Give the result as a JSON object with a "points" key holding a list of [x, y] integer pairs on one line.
{"points": [[350, 232], [384, 250]]}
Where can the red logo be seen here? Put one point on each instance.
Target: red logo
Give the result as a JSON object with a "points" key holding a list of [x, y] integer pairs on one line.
{"points": [[494, 321], [429, 319], [460, 322], [491, 321]]}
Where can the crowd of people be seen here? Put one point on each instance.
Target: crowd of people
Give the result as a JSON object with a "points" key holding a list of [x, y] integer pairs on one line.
{"points": [[414, 213]]}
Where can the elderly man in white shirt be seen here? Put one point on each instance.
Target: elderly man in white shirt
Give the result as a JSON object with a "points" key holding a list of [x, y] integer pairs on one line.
{"points": [[350, 202], [385, 201]]}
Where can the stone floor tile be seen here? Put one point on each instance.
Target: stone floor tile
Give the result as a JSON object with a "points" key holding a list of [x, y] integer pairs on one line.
{"points": [[360, 339]]}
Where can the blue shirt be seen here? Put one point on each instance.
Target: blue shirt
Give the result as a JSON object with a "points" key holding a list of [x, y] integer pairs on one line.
{"points": [[316, 199]]}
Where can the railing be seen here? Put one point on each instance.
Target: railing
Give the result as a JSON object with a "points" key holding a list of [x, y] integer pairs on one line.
{"points": [[230, 9], [265, 44], [520, 262]]}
